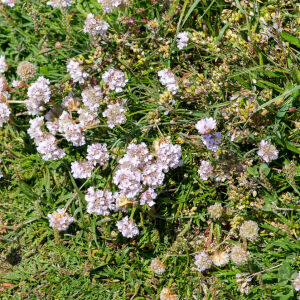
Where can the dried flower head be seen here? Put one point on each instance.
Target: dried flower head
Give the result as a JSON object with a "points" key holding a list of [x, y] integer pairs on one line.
{"points": [[220, 259], [205, 170], [3, 64], [249, 231], [215, 211], [60, 220], [167, 294], [238, 255], [202, 261], [267, 151], [91, 97], [127, 227], [26, 70], [115, 114], [157, 266]]}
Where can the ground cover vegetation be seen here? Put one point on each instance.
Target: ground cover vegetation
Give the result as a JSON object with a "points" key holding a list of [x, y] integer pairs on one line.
{"points": [[149, 149]]}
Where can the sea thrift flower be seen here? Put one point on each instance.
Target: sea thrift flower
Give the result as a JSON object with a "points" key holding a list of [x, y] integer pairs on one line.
{"points": [[215, 211], [38, 94], [115, 114], [60, 220], [205, 170], [127, 227], [212, 141], [238, 255], [76, 71], [128, 181], [100, 202], [267, 151], [10, 3], [3, 64], [26, 70], [153, 175], [220, 259], [16, 83], [47, 146], [4, 113], [202, 261], [3, 84], [206, 126], [94, 26], [109, 5], [167, 294], [52, 126], [147, 197], [82, 169], [122, 202], [182, 40], [169, 156], [91, 98], [35, 130], [60, 3], [249, 231], [97, 154], [157, 266], [87, 118], [296, 283], [115, 80], [168, 79]]}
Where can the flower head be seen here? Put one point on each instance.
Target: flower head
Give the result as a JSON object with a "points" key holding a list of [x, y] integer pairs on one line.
{"points": [[82, 169], [115, 80], [249, 231], [127, 227], [202, 261], [26, 70], [94, 26], [157, 266], [109, 5], [182, 40], [147, 197], [76, 71], [212, 141], [3, 64], [267, 151], [97, 154], [296, 283], [115, 114], [206, 125], [60, 3], [220, 259], [205, 170], [4, 113], [169, 156], [167, 294], [60, 220], [238, 255], [168, 79], [215, 211]]}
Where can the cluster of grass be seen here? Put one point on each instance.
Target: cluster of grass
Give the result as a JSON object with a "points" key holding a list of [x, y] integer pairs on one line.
{"points": [[241, 67]]}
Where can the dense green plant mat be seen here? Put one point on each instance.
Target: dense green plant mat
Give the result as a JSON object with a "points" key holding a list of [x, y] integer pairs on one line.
{"points": [[238, 64]]}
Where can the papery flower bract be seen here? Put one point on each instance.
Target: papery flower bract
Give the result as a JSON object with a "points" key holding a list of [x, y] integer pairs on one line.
{"points": [[238, 255], [205, 170], [97, 154], [95, 26], [182, 40], [168, 79], [212, 141], [127, 227], [249, 230], [115, 114], [220, 259], [157, 266], [100, 202], [60, 220], [267, 151], [202, 261], [76, 71], [147, 197], [3, 64], [115, 80], [26, 70], [82, 169], [206, 125], [4, 113]]}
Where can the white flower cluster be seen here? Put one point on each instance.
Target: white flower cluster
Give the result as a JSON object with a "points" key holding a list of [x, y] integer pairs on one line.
{"points": [[109, 5], [38, 94], [3, 64], [168, 79], [127, 227], [76, 71], [115, 80], [115, 114], [169, 156], [96, 154], [210, 140], [60, 220], [267, 151], [296, 283], [10, 3], [60, 3], [46, 142], [206, 170], [94, 26], [147, 197], [91, 98], [4, 113], [202, 261], [182, 40], [99, 202]]}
